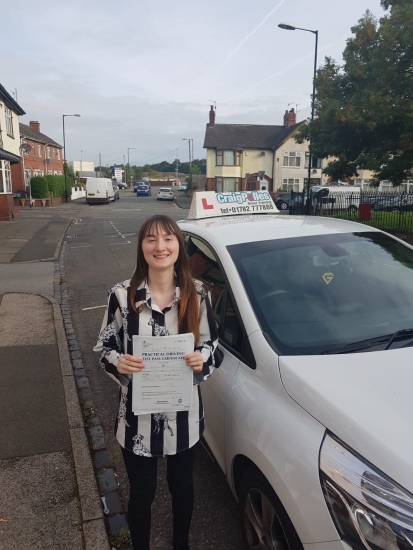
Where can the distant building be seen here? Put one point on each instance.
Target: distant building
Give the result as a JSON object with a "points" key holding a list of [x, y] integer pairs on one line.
{"points": [[43, 157], [82, 166], [254, 156], [10, 111]]}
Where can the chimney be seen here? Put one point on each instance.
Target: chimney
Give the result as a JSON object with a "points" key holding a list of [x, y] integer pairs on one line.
{"points": [[211, 117], [289, 118], [35, 125]]}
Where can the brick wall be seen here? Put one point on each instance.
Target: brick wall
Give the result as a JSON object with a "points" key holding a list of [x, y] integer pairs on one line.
{"points": [[35, 162], [8, 212]]}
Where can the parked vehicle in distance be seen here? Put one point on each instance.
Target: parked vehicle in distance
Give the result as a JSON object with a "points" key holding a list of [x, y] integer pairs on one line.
{"points": [[282, 201], [309, 413], [100, 190], [393, 203], [165, 193], [183, 187], [143, 190], [121, 185]]}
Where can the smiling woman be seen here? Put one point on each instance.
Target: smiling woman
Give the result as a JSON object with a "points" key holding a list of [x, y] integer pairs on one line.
{"points": [[161, 299]]}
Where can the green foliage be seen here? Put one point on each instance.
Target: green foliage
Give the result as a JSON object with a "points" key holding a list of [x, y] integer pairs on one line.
{"points": [[364, 109], [56, 185], [39, 187]]}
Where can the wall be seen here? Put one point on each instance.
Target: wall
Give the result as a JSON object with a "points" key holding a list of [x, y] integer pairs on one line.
{"points": [[33, 161], [8, 211], [10, 144], [281, 172], [84, 166]]}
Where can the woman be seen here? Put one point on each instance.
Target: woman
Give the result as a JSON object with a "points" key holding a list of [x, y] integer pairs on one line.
{"points": [[161, 299]]}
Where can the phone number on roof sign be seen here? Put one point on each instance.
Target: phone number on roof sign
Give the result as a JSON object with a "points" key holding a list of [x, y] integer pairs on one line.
{"points": [[243, 196]]}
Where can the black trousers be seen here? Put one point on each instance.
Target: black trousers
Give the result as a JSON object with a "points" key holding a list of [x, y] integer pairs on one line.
{"points": [[142, 474]]}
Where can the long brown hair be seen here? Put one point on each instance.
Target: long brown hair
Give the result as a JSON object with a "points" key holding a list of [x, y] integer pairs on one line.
{"points": [[188, 300]]}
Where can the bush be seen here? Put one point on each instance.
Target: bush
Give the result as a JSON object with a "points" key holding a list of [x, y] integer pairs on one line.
{"points": [[40, 188], [56, 185]]}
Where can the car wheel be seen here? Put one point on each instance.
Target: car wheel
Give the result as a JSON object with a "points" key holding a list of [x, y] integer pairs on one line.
{"points": [[265, 523], [283, 205], [352, 209]]}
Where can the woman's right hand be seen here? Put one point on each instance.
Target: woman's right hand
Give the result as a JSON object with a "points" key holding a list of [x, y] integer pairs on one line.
{"points": [[128, 364]]}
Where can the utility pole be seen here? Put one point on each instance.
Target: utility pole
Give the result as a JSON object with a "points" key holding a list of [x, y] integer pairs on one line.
{"points": [[81, 170], [124, 169], [100, 165], [176, 169]]}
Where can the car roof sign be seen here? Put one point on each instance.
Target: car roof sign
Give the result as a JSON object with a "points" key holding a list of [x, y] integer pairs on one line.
{"points": [[208, 204]]}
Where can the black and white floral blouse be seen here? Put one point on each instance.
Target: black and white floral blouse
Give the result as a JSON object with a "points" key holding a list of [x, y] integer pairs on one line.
{"points": [[153, 434]]}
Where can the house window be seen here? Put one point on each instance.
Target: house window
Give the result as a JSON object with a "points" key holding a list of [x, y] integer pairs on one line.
{"points": [[292, 159], [5, 176], [58, 154], [9, 122], [27, 176], [48, 152], [50, 172], [227, 158], [219, 185], [59, 172], [315, 161], [291, 184], [39, 150]]}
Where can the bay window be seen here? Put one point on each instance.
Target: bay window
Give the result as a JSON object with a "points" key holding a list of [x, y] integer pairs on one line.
{"points": [[227, 185], [5, 176], [315, 161], [292, 159], [227, 158]]}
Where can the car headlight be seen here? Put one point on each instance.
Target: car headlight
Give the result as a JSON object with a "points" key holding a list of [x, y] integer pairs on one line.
{"points": [[369, 510]]}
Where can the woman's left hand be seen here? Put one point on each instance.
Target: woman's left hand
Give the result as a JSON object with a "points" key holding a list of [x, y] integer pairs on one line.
{"points": [[194, 361]]}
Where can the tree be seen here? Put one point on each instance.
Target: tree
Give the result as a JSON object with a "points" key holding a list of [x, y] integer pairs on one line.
{"points": [[192, 186], [364, 109]]}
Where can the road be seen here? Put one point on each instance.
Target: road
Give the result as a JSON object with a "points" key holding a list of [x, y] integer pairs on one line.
{"points": [[100, 253]]}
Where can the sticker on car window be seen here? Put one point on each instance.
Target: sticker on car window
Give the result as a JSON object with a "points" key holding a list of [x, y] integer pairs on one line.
{"points": [[328, 277]]}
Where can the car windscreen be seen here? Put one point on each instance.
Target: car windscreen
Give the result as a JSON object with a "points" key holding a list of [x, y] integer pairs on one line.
{"points": [[317, 293], [165, 190]]}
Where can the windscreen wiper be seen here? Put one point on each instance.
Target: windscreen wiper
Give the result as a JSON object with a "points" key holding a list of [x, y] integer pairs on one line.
{"points": [[389, 340]]}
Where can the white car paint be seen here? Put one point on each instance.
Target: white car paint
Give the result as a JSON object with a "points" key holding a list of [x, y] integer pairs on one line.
{"points": [[100, 190], [277, 414], [165, 193]]}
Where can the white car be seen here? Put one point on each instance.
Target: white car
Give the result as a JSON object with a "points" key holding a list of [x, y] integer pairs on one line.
{"points": [[183, 187], [309, 414], [165, 193]]}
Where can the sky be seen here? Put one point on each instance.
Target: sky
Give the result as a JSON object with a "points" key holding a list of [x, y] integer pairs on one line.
{"points": [[142, 74]]}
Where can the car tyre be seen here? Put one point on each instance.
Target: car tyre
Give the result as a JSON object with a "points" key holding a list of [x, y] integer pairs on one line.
{"points": [[265, 523], [283, 205]]}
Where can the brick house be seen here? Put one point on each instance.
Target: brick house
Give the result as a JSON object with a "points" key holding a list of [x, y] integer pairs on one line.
{"points": [[10, 110], [251, 157], [44, 157]]}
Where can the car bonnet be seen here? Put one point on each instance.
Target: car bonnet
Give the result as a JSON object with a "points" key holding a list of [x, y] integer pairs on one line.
{"points": [[365, 399]]}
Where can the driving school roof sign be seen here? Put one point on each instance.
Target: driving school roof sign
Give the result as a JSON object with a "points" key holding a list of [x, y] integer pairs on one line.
{"points": [[208, 204]]}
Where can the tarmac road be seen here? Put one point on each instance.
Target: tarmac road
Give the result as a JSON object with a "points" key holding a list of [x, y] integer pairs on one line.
{"points": [[100, 252]]}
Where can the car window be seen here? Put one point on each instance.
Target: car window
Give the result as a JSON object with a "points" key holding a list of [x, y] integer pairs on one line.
{"points": [[323, 292], [206, 268]]}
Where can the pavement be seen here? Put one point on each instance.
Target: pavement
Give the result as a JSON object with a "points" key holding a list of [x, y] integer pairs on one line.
{"points": [[49, 498]]}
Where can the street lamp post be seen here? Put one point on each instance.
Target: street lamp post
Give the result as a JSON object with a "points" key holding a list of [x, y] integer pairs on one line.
{"points": [[64, 152], [128, 183], [289, 27], [189, 146]]}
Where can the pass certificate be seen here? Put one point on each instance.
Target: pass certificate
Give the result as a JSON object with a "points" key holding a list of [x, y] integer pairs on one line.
{"points": [[165, 383]]}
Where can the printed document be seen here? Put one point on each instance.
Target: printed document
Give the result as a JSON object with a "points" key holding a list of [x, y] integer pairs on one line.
{"points": [[165, 383]]}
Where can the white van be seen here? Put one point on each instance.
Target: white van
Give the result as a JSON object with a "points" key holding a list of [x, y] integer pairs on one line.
{"points": [[342, 197], [101, 190]]}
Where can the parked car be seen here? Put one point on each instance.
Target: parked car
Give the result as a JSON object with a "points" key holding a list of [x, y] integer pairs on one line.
{"points": [[183, 187], [282, 201], [310, 412], [393, 203], [143, 191], [165, 193], [121, 185], [100, 190]]}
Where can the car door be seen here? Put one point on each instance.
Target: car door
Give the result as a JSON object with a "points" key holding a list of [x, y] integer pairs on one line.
{"points": [[232, 341]]}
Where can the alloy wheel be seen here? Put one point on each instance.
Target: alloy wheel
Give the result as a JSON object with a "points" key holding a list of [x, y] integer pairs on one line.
{"points": [[262, 525]]}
